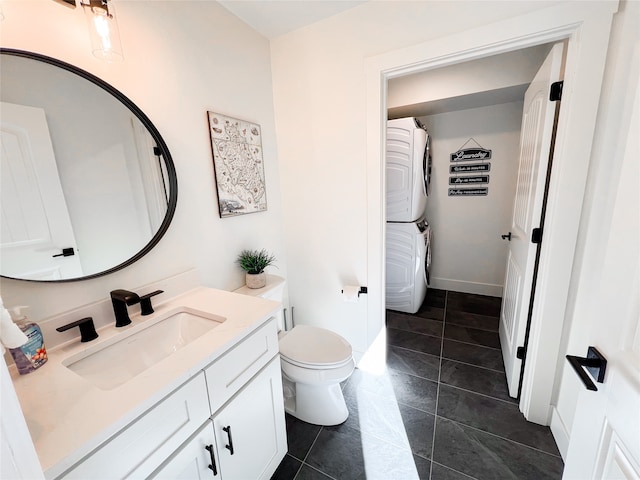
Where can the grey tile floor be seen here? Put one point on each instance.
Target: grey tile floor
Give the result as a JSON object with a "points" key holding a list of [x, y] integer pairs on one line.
{"points": [[437, 409]]}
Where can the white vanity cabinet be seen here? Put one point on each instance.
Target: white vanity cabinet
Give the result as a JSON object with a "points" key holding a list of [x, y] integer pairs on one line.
{"points": [[245, 440], [231, 413], [141, 446]]}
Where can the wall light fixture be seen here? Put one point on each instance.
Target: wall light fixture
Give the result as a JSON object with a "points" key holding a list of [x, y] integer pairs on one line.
{"points": [[103, 29]]}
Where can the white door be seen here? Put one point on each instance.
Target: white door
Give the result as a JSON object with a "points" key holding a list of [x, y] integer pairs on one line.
{"points": [[196, 460], [35, 221], [605, 437], [249, 431], [535, 141]]}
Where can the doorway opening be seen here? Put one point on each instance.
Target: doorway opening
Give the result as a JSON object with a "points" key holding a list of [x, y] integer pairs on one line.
{"points": [[584, 31], [475, 199]]}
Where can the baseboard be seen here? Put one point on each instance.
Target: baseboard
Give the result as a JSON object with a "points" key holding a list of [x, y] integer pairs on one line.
{"points": [[560, 433], [466, 287]]}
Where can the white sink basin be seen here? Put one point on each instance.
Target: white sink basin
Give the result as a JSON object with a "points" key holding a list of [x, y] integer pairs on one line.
{"points": [[113, 364]]}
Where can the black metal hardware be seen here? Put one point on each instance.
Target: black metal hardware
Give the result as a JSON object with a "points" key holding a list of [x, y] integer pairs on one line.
{"points": [[212, 465], [536, 235], [507, 236], [66, 252], [230, 445], [594, 362], [521, 352], [145, 302], [157, 152], [120, 299], [87, 329], [362, 291], [555, 92], [67, 3]]}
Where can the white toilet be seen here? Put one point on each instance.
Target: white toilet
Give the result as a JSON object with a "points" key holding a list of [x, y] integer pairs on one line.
{"points": [[314, 361]]}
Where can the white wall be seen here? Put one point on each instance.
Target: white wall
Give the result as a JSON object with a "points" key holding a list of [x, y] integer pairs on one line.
{"points": [[498, 72], [181, 59], [468, 254], [320, 98]]}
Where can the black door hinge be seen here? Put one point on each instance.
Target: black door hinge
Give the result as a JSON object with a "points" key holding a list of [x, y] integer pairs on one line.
{"points": [[555, 93], [520, 353], [156, 151], [536, 235]]}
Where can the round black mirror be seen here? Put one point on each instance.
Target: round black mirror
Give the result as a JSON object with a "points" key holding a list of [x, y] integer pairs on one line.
{"points": [[88, 183]]}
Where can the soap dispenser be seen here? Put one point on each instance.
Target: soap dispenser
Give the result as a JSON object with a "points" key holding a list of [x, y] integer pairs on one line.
{"points": [[31, 355]]}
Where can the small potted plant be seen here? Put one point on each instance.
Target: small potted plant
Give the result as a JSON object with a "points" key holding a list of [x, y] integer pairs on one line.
{"points": [[253, 262]]}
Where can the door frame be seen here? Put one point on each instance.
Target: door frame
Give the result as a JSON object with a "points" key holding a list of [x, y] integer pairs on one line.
{"points": [[586, 27]]}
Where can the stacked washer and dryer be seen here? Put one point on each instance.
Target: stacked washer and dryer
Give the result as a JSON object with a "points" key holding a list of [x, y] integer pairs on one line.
{"points": [[408, 238]]}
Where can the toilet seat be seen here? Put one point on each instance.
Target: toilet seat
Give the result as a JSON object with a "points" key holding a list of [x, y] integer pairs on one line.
{"points": [[315, 348]]}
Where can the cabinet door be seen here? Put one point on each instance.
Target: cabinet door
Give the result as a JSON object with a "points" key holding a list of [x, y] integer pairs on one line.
{"points": [[197, 459], [250, 431], [144, 444]]}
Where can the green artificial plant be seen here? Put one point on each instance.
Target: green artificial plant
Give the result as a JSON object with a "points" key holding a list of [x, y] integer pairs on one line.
{"points": [[254, 261]]}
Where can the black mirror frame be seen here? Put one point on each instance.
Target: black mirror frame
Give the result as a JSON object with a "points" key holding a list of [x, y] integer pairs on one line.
{"points": [[164, 152]]}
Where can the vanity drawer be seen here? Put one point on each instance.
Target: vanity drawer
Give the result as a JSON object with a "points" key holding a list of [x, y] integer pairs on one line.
{"points": [[234, 369], [143, 445]]}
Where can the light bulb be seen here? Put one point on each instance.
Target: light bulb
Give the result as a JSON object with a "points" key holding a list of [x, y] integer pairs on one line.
{"points": [[101, 25], [103, 29]]}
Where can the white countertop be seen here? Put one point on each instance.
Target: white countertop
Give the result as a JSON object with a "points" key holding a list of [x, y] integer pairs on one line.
{"points": [[68, 416]]}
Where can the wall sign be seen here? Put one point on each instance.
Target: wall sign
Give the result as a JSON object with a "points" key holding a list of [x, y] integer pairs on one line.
{"points": [[470, 154], [479, 179], [470, 168], [469, 192]]}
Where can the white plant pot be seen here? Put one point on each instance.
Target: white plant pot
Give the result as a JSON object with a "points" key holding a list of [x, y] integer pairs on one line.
{"points": [[256, 280]]}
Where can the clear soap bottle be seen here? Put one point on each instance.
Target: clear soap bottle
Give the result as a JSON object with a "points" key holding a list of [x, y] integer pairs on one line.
{"points": [[31, 355]]}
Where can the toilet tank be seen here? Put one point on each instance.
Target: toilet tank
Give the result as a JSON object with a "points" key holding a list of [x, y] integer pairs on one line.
{"points": [[273, 290]]}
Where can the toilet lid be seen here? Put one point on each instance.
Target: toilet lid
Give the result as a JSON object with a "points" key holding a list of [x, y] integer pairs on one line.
{"points": [[314, 346]]}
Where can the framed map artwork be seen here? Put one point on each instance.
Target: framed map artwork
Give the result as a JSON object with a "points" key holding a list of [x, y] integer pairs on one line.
{"points": [[238, 165]]}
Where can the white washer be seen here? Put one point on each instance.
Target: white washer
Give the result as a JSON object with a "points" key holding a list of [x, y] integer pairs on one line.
{"points": [[408, 169], [407, 264]]}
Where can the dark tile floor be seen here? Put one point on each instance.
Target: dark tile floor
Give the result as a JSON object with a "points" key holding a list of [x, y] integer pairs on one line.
{"points": [[437, 409]]}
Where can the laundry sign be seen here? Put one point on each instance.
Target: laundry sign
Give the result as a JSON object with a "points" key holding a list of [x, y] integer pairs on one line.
{"points": [[470, 154], [469, 180], [469, 192], [470, 168]]}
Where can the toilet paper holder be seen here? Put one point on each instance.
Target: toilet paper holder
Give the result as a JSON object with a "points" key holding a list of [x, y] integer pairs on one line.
{"points": [[362, 290]]}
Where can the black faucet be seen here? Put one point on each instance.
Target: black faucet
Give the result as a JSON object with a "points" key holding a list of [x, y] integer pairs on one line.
{"points": [[120, 299]]}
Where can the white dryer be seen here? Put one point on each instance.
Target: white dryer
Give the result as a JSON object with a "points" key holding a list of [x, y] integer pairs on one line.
{"points": [[408, 168], [408, 263]]}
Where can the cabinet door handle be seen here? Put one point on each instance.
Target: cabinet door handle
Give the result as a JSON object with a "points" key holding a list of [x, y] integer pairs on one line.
{"points": [[230, 445], [212, 466]]}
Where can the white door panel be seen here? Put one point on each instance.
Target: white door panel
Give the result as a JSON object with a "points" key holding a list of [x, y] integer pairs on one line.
{"points": [[605, 437], [35, 220], [535, 142]]}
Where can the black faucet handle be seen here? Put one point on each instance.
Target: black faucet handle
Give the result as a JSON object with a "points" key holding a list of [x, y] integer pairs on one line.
{"points": [[145, 302], [87, 329]]}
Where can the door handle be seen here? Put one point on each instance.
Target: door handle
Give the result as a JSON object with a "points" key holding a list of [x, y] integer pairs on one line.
{"points": [[66, 252], [594, 362], [507, 236]]}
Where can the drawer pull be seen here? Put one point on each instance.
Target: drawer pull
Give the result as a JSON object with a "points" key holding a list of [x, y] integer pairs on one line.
{"points": [[230, 445], [212, 466]]}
